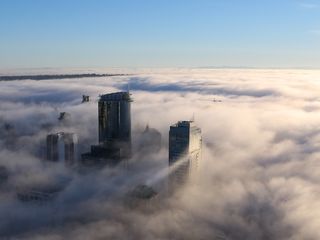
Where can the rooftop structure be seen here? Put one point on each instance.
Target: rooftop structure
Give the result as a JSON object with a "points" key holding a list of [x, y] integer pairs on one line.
{"points": [[64, 116], [117, 96], [85, 98]]}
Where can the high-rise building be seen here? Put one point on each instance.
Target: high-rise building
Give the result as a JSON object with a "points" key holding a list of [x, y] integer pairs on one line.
{"points": [[115, 117], [185, 143], [114, 112], [115, 121], [62, 147]]}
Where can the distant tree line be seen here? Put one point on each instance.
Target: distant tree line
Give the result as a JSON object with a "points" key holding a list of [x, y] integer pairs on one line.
{"points": [[55, 76]]}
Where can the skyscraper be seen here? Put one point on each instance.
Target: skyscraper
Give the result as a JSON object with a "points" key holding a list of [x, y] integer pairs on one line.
{"points": [[115, 117], [62, 147], [184, 150], [114, 112], [115, 121]]}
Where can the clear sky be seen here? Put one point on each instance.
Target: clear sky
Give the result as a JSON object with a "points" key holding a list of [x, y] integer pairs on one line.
{"points": [[159, 33]]}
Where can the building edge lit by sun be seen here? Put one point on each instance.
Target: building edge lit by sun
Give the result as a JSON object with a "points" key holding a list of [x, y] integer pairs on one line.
{"points": [[185, 143]]}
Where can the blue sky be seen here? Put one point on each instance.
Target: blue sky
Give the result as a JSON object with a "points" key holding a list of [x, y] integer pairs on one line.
{"points": [[159, 33]]}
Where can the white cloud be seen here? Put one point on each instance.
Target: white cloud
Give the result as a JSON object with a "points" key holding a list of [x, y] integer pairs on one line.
{"points": [[260, 173]]}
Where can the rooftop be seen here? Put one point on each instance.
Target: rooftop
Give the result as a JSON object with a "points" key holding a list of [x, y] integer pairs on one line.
{"points": [[69, 135], [183, 124], [143, 192], [64, 116], [117, 96]]}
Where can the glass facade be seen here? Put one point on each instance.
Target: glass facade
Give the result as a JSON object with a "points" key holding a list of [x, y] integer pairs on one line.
{"points": [[185, 143], [114, 112]]}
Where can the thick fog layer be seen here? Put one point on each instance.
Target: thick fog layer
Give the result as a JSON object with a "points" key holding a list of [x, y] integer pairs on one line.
{"points": [[259, 177]]}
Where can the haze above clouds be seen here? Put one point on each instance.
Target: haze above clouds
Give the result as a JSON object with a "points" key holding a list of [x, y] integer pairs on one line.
{"points": [[259, 177]]}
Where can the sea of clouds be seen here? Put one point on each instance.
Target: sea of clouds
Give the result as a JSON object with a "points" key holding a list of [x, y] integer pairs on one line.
{"points": [[259, 177]]}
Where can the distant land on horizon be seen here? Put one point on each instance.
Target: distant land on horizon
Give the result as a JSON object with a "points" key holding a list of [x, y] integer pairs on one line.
{"points": [[55, 76], [46, 73]]}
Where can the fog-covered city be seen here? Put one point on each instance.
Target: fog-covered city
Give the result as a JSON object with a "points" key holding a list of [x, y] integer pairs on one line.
{"points": [[257, 176], [165, 120]]}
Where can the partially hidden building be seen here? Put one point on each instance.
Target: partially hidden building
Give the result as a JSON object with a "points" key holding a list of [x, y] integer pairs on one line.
{"points": [[62, 147], [142, 196], [4, 175], [37, 194], [42, 192], [150, 141], [85, 98], [185, 143], [64, 117]]}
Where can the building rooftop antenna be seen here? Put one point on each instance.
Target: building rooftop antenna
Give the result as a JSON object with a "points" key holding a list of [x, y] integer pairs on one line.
{"points": [[147, 127], [193, 117]]}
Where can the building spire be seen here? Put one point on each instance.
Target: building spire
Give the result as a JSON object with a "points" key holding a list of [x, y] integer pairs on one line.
{"points": [[193, 117], [147, 128]]}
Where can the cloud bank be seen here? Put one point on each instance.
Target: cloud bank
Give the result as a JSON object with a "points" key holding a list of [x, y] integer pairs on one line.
{"points": [[259, 177]]}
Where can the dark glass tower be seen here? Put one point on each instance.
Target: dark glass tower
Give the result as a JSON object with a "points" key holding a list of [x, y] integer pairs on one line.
{"points": [[185, 143], [115, 122]]}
